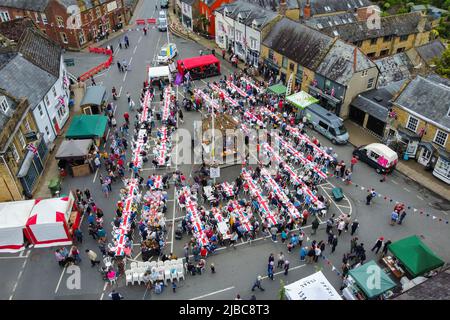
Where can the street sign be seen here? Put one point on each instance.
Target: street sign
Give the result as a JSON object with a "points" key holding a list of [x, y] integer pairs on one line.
{"points": [[214, 172]]}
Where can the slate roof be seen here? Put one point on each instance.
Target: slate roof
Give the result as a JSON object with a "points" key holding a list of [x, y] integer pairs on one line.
{"points": [[435, 288], [249, 12], [427, 98], [26, 80], [338, 64], [271, 4], [188, 2], [431, 50], [88, 3], [394, 68], [32, 5], [14, 29], [395, 25], [298, 42], [40, 50], [376, 102], [321, 22], [321, 6]]}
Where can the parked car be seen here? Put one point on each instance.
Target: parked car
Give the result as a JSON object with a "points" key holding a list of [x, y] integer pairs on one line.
{"points": [[164, 4], [162, 14], [378, 156], [162, 24], [327, 123], [166, 54]]}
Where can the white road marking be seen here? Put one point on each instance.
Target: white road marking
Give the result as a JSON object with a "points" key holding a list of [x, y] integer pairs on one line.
{"points": [[294, 268], [395, 182], [131, 59], [120, 90], [137, 256], [420, 197], [140, 38], [212, 293], [125, 76], [104, 288], [407, 190], [60, 278], [134, 51], [95, 176], [6, 258]]}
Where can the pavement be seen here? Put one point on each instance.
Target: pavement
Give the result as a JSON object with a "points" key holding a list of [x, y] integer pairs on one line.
{"points": [[360, 136], [34, 273]]}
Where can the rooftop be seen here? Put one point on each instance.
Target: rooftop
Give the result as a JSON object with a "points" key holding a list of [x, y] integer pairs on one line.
{"points": [[273, 5], [394, 68], [338, 64], [427, 98], [321, 22], [248, 12], [32, 5], [319, 7], [12, 103], [395, 25], [435, 288], [431, 50], [299, 43], [14, 29]]}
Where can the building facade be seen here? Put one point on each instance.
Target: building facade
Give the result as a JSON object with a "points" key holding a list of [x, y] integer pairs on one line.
{"points": [[34, 68], [206, 19], [395, 34], [422, 123], [20, 168], [71, 23], [240, 28], [327, 68], [188, 9]]}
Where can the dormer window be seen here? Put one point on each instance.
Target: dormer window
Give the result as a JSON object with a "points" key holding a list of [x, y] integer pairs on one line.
{"points": [[4, 104]]}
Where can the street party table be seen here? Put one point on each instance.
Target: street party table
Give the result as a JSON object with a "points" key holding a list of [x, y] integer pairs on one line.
{"points": [[227, 189], [262, 201], [166, 103], [198, 227], [239, 212], [222, 226], [157, 182], [225, 95], [252, 84], [207, 99], [251, 117], [296, 133], [279, 193]]}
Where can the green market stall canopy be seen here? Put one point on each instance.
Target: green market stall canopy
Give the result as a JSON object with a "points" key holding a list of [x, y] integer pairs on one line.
{"points": [[278, 89], [415, 255], [87, 126], [301, 99]]}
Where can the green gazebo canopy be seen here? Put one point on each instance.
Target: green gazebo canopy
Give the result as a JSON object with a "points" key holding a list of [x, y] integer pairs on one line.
{"points": [[366, 278], [415, 255], [87, 126], [301, 99], [278, 89]]}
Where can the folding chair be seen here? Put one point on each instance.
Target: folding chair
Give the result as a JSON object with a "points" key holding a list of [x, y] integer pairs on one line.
{"points": [[135, 275], [167, 272], [128, 277], [180, 272]]}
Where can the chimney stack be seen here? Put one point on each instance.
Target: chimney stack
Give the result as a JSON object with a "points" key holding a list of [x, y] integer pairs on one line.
{"points": [[282, 7], [307, 10], [355, 60]]}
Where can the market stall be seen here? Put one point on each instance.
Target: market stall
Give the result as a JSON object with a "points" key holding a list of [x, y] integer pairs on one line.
{"points": [[301, 99], [76, 156], [368, 281], [277, 89], [159, 74], [88, 127], [94, 100], [415, 256], [52, 222], [313, 287], [13, 219]]}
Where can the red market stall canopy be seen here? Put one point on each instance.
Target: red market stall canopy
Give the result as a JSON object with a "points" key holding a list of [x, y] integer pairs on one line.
{"points": [[13, 218], [50, 222], [197, 62]]}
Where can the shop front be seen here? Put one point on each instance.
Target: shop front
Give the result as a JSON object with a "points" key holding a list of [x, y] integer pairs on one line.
{"points": [[442, 167], [270, 68], [410, 140], [32, 167], [327, 101]]}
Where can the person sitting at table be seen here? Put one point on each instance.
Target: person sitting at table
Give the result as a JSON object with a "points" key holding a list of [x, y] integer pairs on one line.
{"points": [[201, 266]]}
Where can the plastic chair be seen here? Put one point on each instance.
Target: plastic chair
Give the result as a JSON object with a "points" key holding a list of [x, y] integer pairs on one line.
{"points": [[133, 265], [167, 263], [180, 272], [128, 277], [160, 264], [135, 275], [140, 264], [167, 273], [153, 264], [180, 261], [160, 274], [173, 274], [147, 265]]}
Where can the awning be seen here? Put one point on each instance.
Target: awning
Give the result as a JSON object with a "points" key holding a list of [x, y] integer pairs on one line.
{"points": [[372, 108], [74, 149], [427, 145], [408, 134], [417, 257], [278, 89], [27, 161], [157, 72], [366, 278], [313, 287], [87, 126], [301, 99], [94, 95]]}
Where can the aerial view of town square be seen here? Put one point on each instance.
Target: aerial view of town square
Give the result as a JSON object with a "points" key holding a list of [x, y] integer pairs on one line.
{"points": [[223, 150]]}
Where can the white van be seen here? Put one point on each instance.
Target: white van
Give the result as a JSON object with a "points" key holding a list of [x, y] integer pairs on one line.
{"points": [[378, 156]]}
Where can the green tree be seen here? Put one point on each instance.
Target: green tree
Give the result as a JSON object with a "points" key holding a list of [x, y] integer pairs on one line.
{"points": [[443, 64], [282, 291]]}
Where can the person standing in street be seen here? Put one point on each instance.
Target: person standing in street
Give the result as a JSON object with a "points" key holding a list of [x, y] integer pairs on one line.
{"points": [[354, 226], [386, 247], [353, 244], [394, 217], [315, 225], [280, 260], [341, 227], [119, 66], [92, 257], [353, 162], [273, 232], [257, 284], [370, 196], [286, 267], [330, 223], [402, 216], [334, 243], [270, 270], [378, 244]]}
